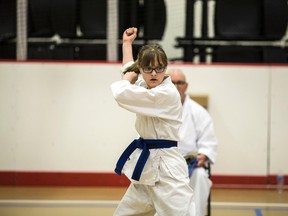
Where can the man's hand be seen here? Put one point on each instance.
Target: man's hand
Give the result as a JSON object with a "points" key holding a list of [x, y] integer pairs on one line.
{"points": [[201, 160]]}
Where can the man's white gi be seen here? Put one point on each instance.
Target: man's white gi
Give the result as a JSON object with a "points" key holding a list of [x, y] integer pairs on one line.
{"points": [[197, 135], [164, 183]]}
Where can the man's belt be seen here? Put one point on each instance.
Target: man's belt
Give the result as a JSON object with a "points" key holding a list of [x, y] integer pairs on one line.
{"points": [[145, 145], [191, 160]]}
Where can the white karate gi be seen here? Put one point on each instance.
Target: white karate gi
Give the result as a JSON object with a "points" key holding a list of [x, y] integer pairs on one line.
{"points": [[164, 183], [197, 135]]}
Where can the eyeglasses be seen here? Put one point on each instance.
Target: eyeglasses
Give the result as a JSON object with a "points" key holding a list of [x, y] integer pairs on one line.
{"points": [[180, 83], [149, 70]]}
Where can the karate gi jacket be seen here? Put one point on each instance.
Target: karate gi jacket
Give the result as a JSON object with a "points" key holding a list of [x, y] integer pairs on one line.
{"points": [[197, 131], [158, 116]]}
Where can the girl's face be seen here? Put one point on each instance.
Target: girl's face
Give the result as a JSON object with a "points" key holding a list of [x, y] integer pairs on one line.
{"points": [[153, 74]]}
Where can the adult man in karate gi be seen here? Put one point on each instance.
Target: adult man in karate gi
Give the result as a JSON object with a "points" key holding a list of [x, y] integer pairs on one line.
{"points": [[196, 136]]}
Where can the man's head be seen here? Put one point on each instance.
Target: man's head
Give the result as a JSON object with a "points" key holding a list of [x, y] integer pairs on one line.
{"points": [[179, 80]]}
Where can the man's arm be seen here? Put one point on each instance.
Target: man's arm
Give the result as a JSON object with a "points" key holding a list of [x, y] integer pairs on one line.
{"points": [[206, 139], [207, 142]]}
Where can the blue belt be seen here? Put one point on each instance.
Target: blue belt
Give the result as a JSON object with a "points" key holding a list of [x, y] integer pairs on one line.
{"points": [[145, 145], [191, 166]]}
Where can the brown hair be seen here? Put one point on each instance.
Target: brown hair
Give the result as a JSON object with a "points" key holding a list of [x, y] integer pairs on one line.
{"points": [[151, 53]]}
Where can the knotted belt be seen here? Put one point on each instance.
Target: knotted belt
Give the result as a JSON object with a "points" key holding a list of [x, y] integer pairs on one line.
{"points": [[145, 145]]}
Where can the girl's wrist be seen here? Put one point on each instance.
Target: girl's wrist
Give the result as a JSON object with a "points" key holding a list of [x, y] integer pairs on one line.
{"points": [[127, 43]]}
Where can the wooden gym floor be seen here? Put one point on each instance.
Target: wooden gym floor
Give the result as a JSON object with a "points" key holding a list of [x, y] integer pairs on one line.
{"points": [[72, 201]]}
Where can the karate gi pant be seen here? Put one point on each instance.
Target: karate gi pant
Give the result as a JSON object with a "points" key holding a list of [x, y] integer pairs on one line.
{"points": [[169, 196], [201, 185]]}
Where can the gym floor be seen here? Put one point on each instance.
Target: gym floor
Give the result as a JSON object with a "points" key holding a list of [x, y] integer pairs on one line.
{"points": [[102, 201]]}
